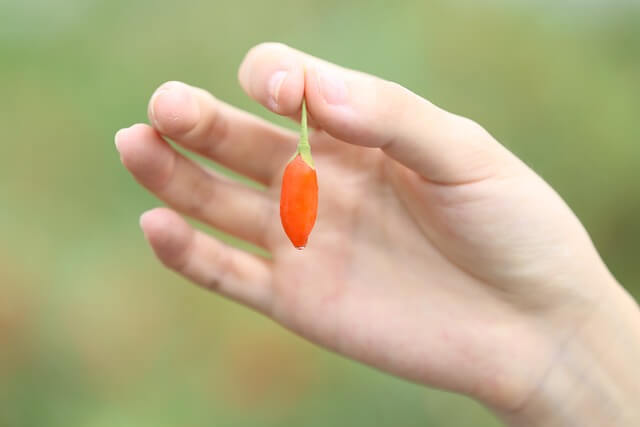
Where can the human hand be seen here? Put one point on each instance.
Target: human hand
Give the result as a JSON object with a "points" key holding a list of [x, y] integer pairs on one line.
{"points": [[437, 255]]}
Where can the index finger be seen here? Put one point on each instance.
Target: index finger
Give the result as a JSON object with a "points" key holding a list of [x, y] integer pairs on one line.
{"points": [[365, 110]]}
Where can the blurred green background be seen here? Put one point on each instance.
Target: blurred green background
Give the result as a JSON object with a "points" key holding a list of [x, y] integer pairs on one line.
{"points": [[94, 332]]}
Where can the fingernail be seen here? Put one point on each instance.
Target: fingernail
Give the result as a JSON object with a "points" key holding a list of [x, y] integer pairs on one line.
{"points": [[142, 219], [332, 86], [152, 103], [117, 139], [275, 83]]}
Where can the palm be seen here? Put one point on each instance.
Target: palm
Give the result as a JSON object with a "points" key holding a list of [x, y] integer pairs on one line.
{"points": [[367, 258], [372, 280]]}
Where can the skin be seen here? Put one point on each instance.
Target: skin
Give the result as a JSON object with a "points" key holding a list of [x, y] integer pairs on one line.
{"points": [[437, 255]]}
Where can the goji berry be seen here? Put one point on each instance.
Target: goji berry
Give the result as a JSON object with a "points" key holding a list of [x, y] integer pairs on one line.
{"points": [[299, 192]]}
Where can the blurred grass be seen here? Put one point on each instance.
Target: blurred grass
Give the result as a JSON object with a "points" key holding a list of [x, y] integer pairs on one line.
{"points": [[94, 332]]}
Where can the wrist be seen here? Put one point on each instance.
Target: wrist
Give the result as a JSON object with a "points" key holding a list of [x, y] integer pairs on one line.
{"points": [[594, 379]]}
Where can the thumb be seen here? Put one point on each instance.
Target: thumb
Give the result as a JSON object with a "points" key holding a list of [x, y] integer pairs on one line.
{"points": [[365, 110]]}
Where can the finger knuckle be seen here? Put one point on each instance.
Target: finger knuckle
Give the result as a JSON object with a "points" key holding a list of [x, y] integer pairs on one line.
{"points": [[203, 193]]}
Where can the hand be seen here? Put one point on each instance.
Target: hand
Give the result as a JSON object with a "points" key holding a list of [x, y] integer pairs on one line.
{"points": [[437, 255]]}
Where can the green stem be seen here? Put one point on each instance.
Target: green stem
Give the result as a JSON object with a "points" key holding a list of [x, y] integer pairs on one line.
{"points": [[304, 149]]}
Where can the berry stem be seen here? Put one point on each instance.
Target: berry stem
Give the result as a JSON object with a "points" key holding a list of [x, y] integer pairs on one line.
{"points": [[304, 149]]}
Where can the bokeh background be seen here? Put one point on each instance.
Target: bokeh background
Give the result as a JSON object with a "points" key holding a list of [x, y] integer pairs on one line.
{"points": [[93, 332]]}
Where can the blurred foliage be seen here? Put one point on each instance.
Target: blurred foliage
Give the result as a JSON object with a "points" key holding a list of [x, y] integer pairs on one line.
{"points": [[94, 332]]}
